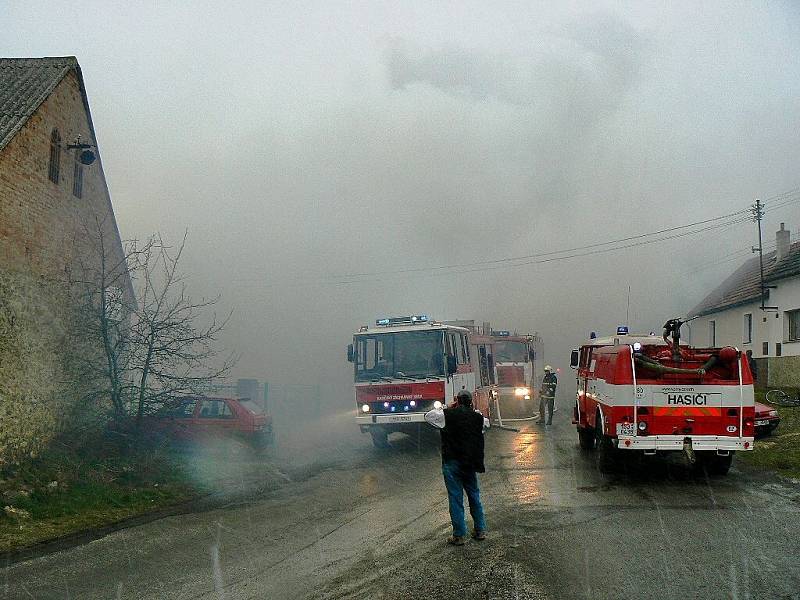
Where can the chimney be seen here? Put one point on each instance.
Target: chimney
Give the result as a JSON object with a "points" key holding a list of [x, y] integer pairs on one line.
{"points": [[783, 243]]}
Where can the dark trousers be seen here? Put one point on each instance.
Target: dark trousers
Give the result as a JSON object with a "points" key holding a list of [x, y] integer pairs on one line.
{"points": [[546, 402]]}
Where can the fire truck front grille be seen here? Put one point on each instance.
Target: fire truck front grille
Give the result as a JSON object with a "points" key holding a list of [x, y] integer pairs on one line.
{"points": [[510, 376], [399, 407]]}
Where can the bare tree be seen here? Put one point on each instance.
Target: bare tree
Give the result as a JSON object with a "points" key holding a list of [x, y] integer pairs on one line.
{"points": [[175, 354], [148, 348], [103, 288]]}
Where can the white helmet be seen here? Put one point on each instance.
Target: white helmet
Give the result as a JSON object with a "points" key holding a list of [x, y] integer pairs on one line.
{"points": [[548, 368]]}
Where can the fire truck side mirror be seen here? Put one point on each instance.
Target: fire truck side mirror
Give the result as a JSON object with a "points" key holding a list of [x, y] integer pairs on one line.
{"points": [[452, 367], [490, 361], [532, 354], [574, 359], [351, 355]]}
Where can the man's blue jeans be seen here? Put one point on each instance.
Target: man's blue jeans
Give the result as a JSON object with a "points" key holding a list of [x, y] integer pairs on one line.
{"points": [[458, 481]]}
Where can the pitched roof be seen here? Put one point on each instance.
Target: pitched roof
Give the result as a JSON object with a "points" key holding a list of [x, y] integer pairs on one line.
{"points": [[24, 84], [744, 284]]}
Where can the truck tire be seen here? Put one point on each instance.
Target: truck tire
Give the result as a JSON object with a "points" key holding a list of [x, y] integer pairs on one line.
{"points": [[586, 438], [380, 438], [714, 464], [605, 448]]}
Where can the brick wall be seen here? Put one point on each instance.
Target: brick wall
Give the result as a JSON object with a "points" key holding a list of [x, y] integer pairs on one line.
{"points": [[43, 227]]}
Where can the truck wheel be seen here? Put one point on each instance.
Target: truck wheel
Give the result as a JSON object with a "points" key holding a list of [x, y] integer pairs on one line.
{"points": [[605, 449], [586, 438], [714, 464], [380, 438]]}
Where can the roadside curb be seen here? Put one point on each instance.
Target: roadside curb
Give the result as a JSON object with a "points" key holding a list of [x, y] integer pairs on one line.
{"points": [[199, 504], [57, 544]]}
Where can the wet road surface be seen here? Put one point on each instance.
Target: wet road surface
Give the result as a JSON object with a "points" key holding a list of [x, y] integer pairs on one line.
{"points": [[363, 523]]}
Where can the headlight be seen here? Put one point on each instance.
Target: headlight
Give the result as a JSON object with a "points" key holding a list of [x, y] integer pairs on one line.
{"points": [[437, 405], [412, 404], [642, 425], [365, 407], [522, 392], [773, 413]]}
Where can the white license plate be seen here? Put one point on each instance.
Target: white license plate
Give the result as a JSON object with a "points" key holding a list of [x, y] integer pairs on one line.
{"points": [[760, 423], [396, 419], [628, 429]]}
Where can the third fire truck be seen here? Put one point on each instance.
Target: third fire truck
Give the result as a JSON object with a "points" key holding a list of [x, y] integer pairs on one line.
{"points": [[649, 394], [515, 363]]}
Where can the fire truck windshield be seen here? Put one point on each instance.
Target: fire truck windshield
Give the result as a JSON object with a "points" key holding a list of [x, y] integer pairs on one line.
{"points": [[399, 355], [511, 352]]}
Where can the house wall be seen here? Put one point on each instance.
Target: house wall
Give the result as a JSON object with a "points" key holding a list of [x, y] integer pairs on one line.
{"points": [[43, 226], [768, 326]]}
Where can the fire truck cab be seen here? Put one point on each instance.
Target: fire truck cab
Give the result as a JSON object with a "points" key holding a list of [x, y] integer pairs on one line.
{"points": [[651, 395], [515, 363], [406, 366]]}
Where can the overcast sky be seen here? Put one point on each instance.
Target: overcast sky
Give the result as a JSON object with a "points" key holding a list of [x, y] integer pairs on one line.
{"points": [[304, 143]]}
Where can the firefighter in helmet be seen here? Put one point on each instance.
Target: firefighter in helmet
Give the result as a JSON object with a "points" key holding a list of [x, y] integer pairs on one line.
{"points": [[547, 395]]}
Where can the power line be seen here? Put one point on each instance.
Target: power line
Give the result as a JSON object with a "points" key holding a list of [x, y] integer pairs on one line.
{"points": [[515, 259], [514, 262]]}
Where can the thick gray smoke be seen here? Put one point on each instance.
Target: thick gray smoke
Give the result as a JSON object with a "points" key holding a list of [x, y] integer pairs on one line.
{"points": [[303, 145]]}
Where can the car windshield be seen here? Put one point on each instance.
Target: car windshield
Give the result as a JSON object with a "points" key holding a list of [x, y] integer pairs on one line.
{"points": [[511, 352], [409, 354], [252, 406]]}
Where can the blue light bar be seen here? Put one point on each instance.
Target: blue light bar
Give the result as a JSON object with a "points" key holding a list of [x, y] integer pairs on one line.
{"points": [[622, 330], [413, 320], [502, 333]]}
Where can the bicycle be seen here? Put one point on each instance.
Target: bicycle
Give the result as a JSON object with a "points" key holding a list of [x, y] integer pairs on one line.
{"points": [[781, 398]]}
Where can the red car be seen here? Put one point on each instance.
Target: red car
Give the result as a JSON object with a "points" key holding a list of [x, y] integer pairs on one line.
{"points": [[202, 418], [767, 419]]}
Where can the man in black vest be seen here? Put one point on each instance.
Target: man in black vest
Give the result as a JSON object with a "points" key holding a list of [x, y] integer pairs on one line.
{"points": [[462, 458]]}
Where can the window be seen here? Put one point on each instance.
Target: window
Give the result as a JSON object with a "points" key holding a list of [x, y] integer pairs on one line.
{"points": [[765, 348], [55, 156], [77, 178], [712, 334], [793, 323], [747, 334], [403, 355], [483, 364], [778, 348], [184, 410], [215, 409]]}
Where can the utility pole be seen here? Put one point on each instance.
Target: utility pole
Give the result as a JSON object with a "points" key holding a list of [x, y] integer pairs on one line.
{"points": [[757, 210]]}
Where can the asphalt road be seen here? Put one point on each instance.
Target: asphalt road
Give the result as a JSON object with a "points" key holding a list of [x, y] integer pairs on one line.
{"points": [[361, 523]]}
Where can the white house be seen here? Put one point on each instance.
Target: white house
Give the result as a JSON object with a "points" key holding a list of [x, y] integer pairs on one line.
{"points": [[731, 315]]}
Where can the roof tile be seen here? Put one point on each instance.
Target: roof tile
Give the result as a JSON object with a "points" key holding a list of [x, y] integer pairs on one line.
{"points": [[24, 84], [744, 285]]}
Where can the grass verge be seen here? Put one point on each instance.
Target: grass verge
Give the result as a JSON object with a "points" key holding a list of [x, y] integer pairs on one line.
{"points": [[779, 451], [67, 491]]}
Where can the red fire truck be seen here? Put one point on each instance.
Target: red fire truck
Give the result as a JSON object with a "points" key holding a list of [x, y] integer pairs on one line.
{"points": [[406, 366], [650, 394], [515, 362]]}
